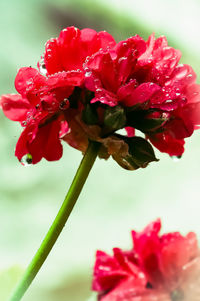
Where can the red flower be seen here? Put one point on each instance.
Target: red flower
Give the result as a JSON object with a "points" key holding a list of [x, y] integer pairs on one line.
{"points": [[39, 109], [45, 95], [146, 77], [159, 267], [70, 50], [88, 87]]}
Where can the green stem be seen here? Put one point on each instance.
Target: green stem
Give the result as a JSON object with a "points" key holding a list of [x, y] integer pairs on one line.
{"points": [[59, 222]]}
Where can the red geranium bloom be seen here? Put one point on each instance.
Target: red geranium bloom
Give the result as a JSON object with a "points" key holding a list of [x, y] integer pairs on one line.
{"points": [[39, 108], [44, 96], [145, 77], [159, 267], [88, 87]]}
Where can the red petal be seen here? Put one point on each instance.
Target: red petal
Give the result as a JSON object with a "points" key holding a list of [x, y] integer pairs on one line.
{"points": [[141, 94], [125, 91], [70, 49], [40, 142], [105, 97], [167, 144], [106, 40], [28, 80], [107, 272], [130, 131], [176, 252], [62, 79], [22, 144], [47, 143], [183, 75], [14, 106], [146, 57], [52, 60]]}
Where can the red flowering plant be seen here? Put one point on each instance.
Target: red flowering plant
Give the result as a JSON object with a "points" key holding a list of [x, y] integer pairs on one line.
{"points": [[85, 90], [88, 87], [158, 267]]}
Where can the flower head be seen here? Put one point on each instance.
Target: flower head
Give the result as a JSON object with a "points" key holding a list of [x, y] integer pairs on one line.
{"points": [[158, 267], [88, 87], [44, 94], [159, 95]]}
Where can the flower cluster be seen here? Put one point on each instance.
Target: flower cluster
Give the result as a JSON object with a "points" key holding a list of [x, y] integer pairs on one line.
{"points": [[158, 268], [88, 87]]}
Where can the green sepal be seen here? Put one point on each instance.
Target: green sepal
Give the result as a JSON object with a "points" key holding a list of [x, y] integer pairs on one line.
{"points": [[140, 154], [141, 151], [89, 115], [74, 98], [126, 162], [139, 120], [114, 118]]}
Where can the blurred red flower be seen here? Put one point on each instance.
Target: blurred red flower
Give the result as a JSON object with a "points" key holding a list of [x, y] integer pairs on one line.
{"points": [[158, 267]]}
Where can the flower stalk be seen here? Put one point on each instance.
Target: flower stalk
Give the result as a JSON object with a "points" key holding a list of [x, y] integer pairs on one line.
{"points": [[59, 222]]}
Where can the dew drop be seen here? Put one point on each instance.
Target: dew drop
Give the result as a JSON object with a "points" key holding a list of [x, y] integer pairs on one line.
{"points": [[121, 59], [169, 101], [42, 67], [176, 158], [64, 104], [26, 160], [24, 123], [88, 74]]}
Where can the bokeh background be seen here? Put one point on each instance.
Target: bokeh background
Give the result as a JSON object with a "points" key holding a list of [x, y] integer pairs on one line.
{"points": [[113, 201]]}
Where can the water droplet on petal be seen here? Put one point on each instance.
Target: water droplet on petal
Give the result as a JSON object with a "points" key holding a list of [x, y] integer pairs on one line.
{"points": [[121, 59], [24, 123], [42, 67], [176, 158], [88, 73], [64, 104], [169, 101], [26, 160]]}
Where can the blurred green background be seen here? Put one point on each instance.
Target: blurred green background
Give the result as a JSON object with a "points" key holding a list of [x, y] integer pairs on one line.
{"points": [[113, 201]]}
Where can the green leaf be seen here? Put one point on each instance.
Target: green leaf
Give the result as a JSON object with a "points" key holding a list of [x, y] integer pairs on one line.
{"points": [[114, 118]]}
